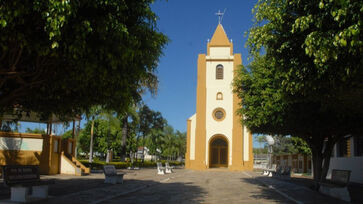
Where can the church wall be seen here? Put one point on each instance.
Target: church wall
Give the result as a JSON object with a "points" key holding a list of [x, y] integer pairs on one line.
{"points": [[237, 140], [200, 127], [192, 137], [246, 144], [187, 153], [214, 86], [220, 52]]}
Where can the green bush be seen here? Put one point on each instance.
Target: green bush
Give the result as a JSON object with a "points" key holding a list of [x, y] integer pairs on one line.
{"points": [[98, 165]]}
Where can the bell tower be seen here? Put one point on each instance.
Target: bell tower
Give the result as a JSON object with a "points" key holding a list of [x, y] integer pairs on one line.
{"points": [[215, 136]]}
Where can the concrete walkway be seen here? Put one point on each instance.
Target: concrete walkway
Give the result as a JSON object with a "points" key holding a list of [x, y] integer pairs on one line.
{"points": [[183, 186]]}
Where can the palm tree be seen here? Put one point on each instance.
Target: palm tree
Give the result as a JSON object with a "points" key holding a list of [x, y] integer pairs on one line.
{"points": [[93, 114], [130, 114], [169, 142]]}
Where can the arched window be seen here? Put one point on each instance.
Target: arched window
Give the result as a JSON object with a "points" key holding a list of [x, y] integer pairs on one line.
{"points": [[219, 71], [219, 142], [219, 96]]}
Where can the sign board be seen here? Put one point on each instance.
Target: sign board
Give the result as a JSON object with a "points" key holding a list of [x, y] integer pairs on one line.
{"points": [[20, 173]]}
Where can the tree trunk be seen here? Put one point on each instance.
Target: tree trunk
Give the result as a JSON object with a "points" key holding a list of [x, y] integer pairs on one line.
{"points": [[91, 142], [78, 127], [329, 146], [143, 148], [321, 159], [317, 165], [108, 142], [124, 137], [73, 129], [325, 168], [108, 156], [132, 158]]}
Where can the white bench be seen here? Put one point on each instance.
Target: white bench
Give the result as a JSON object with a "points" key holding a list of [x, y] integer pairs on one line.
{"points": [[20, 178], [270, 171], [111, 175], [337, 186], [161, 169], [168, 168]]}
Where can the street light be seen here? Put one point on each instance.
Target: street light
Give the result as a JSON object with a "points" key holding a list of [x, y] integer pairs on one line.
{"points": [[270, 141]]}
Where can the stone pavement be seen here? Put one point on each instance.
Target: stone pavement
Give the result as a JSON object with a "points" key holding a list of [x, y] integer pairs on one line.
{"points": [[183, 186]]}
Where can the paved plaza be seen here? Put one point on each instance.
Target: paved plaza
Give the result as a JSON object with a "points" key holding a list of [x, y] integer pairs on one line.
{"points": [[183, 186]]}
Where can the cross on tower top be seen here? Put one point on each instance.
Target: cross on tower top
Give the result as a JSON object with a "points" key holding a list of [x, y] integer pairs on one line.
{"points": [[220, 15]]}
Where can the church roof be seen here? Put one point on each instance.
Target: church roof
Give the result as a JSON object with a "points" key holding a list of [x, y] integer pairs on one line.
{"points": [[219, 37]]}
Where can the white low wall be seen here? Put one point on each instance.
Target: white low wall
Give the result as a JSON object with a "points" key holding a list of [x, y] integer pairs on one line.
{"points": [[354, 164], [66, 166], [15, 143]]}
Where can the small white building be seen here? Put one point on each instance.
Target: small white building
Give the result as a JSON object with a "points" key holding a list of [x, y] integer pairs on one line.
{"points": [[147, 156], [348, 155]]}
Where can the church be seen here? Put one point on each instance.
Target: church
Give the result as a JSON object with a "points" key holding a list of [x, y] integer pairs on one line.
{"points": [[215, 136]]}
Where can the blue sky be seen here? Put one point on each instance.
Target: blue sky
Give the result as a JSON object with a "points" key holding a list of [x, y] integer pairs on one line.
{"points": [[189, 24]]}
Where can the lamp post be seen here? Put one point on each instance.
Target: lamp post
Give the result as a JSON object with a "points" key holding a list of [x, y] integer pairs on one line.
{"points": [[270, 141]]}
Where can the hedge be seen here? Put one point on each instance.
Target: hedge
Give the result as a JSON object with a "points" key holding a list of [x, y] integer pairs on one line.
{"points": [[97, 165]]}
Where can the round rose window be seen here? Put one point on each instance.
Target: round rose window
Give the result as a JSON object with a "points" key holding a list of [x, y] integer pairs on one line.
{"points": [[219, 114]]}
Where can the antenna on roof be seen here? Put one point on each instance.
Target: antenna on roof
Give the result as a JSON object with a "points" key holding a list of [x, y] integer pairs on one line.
{"points": [[220, 15]]}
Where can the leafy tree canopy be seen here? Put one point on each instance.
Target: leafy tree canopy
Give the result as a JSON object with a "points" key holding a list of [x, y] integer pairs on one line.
{"points": [[67, 134], [305, 75], [107, 134], [290, 145], [64, 57], [145, 127], [318, 47], [35, 131]]}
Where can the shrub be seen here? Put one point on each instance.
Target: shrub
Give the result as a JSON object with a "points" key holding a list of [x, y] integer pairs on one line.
{"points": [[98, 165]]}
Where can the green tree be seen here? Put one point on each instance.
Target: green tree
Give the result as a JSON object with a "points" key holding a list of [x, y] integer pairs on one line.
{"points": [[181, 141], [132, 142], [304, 79], [132, 115], [283, 145], [94, 112], [300, 145], [261, 139], [145, 124], [68, 134], [107, 134], [169, 142], [154, 141], [35, 131], [173, 143], [263, 150], [65, 57], [151, 124]]}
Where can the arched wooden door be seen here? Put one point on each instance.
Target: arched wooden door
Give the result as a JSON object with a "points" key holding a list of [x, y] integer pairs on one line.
{"points": [[218, 156]]}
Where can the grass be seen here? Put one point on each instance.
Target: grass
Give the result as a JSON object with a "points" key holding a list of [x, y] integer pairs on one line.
{"points": [[307, 174]]}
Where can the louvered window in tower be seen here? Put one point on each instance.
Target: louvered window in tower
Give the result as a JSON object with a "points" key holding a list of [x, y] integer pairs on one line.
{"points": [[219, 71]]}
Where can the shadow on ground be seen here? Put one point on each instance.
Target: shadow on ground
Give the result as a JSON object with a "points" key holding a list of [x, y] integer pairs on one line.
{"points": [[265, 193], [75, 191], [355, 189], [62, 186], [163, 193]]}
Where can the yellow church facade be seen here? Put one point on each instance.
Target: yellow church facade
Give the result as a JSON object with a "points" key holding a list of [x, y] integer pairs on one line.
{"points": [[215, 136]]}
